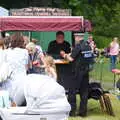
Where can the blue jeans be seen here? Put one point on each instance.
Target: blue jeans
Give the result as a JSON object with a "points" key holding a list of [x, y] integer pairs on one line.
{"points": [[113, 59]]}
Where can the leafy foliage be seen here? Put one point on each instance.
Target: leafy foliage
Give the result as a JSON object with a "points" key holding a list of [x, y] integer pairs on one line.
{"points": [[104, 14]]}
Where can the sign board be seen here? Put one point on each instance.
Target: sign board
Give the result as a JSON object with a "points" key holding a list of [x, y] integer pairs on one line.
{"points": [[38, 11]]}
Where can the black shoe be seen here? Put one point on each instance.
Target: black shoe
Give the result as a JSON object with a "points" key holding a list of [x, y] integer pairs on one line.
{"points": [[82, 114], [72, 113]]}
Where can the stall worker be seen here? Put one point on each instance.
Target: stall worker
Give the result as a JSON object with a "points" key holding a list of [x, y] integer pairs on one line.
{"points": [[58, 45]]}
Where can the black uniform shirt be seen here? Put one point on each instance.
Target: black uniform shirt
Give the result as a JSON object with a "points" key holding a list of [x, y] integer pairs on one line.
{"points": [[76, 51], [79, 61], [76, 55], [55, 48]]}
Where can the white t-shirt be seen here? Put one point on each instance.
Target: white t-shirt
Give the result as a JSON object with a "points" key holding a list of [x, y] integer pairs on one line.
{"points": [[44, 94], [17, 59]]}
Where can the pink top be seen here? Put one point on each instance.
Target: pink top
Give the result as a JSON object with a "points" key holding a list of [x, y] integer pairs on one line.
{"points": [[114, 49]]}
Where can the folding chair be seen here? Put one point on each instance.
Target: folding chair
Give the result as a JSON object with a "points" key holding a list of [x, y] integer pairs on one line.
{"points": [[106, 105]]}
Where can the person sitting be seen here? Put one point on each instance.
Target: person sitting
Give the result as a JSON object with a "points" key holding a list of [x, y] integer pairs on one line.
{"points": [[35, 59], [58, 45]]}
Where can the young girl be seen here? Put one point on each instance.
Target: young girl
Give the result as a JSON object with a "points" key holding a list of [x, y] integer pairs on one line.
{"points": [[50, 68]]}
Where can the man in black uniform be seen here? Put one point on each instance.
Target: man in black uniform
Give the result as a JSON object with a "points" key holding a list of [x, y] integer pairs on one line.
{"points": [[81, 78], [58, 45]]}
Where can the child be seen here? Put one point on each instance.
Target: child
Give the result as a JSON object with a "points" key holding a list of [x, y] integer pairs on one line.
{"points": [[50, 68]]}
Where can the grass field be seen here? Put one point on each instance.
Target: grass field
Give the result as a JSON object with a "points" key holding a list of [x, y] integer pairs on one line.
{"points": [[94, 111], [102, 73]]}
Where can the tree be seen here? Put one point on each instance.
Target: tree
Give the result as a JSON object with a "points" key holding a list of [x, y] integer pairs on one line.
{"points": [[104, 14]]}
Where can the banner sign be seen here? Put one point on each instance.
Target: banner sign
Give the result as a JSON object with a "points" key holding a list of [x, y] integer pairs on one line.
{"points": [[38, 11]]}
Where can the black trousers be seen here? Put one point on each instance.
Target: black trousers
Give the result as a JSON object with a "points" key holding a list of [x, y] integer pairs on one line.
{"points": [[82, 79], [1, 118]]}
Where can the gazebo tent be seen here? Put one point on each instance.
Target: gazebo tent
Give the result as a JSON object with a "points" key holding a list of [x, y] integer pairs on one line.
{"points": [[45, 26], [3, 11], [28, 23]]}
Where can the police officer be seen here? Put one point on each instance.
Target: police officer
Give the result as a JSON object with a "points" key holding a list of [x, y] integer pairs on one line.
{"points": [[81, 78]]}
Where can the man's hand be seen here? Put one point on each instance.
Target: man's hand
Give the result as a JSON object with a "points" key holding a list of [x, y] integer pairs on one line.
{"points": [[66, 56], [62, 53]]}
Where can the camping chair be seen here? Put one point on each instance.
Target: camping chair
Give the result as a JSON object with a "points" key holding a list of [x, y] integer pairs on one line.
{"points": [[106, 105], [97, 93]]}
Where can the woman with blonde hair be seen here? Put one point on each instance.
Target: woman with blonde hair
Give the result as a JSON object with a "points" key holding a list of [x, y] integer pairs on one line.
{"points": [[113, 52], [35, 59]]}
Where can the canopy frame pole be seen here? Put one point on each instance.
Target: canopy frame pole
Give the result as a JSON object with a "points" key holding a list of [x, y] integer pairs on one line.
{"points": [[0, 34], [29, 35]]}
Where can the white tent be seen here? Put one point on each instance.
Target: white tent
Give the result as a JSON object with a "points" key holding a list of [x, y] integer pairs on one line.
{"points": [[3, 11]]}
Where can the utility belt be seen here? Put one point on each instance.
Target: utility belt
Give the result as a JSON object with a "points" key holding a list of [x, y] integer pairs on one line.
{"points": [[83, 67], [80, 67]]}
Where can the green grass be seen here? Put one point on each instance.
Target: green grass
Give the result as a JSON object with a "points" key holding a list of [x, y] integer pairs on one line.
{"points": [[95, 113]]}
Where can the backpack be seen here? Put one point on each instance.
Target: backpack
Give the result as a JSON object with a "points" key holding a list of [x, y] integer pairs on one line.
{"points": [[95, 91], [86, 53]]}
